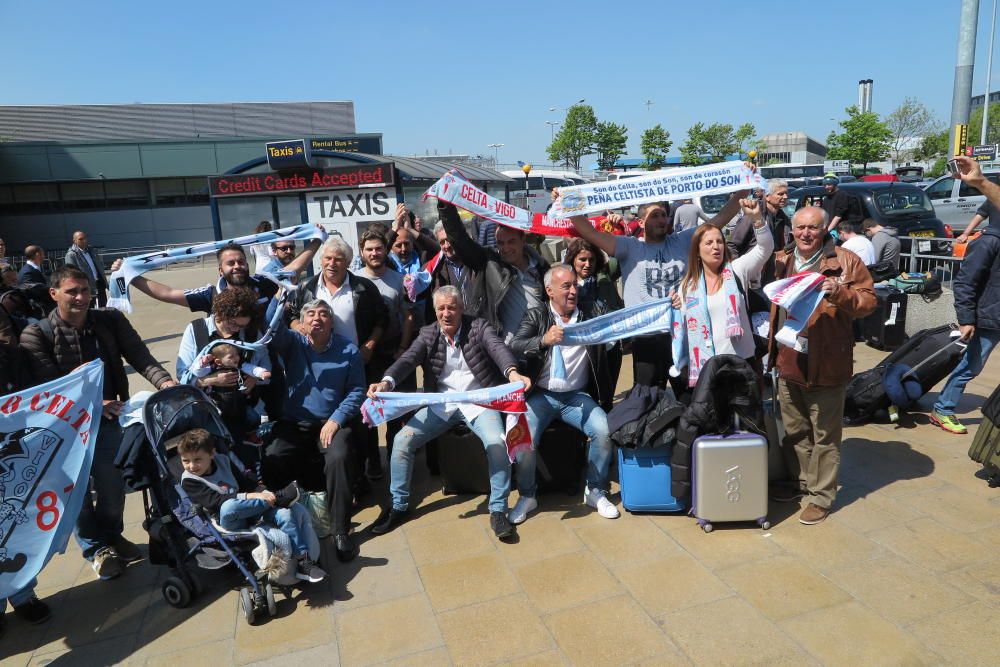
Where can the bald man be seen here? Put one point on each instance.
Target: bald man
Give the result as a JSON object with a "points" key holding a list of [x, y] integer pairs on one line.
{"points": [[83, 257]]}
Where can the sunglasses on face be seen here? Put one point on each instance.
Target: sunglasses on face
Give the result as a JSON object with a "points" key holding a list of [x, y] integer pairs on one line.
{"points": [[284, 248]]}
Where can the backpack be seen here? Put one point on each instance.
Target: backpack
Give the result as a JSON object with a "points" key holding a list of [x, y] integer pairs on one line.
{"points": [[883, 271], [17, 375], [916, 283]]}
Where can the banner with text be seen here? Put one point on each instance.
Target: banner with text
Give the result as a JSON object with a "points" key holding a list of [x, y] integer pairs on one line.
{"points": [[47, 436], [454, 189], [666, 185]]}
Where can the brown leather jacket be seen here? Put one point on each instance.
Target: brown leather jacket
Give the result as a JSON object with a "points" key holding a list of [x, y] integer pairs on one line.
{"points": [[829, 361]]}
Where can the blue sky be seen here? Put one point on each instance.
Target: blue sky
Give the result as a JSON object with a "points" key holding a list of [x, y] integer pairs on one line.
{"points": [[457, 76]]}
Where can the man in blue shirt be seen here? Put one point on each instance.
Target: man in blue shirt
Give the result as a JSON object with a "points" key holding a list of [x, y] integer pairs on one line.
{"points": [[314, 441]]}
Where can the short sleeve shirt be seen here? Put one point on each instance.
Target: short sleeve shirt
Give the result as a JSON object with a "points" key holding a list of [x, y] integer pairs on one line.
{"points": [[390, 286], [651, 270], [199, 299], [990, 212]]}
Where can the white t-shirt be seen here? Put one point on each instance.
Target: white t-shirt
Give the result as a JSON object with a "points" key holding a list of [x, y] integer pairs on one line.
{"points": [[862, 247], [342, 303]]}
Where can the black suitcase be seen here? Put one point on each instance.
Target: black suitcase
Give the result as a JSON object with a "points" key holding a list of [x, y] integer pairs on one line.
{"points": [[461, 459], [561, 459], [930, 354], [885, 328]]}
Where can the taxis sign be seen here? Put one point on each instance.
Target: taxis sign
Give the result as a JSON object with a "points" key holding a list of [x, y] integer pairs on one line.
{"points": [[293, 154]]}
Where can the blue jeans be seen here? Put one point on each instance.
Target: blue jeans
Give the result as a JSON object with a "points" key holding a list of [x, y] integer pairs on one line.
{"points": [[100, 523], [426, 425], [971, 365], [580, 411], [236, 514], [20, 597]]}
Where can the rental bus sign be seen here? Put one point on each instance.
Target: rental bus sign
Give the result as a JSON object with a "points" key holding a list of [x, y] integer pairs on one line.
{"points": [[303, 180]]}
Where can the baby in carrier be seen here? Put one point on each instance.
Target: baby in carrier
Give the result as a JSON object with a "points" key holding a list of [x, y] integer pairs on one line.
{"points": [[237, 503], [231, 401]]}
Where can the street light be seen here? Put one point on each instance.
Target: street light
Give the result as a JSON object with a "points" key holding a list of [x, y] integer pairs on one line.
{"points": [[567, 108], [552, 126], [496, 153]]}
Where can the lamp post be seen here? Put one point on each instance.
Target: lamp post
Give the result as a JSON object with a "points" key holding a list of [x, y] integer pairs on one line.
{"points": [[552, 126], [496, 154], [581, 101]]}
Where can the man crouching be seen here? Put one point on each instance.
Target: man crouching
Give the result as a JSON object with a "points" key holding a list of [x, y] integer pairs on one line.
{"points": [[457, 354]]}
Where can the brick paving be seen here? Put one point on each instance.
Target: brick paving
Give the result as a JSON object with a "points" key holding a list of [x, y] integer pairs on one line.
{"points": [[905, 571]]}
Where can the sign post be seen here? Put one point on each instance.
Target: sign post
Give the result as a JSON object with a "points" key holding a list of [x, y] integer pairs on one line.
{"points": [[961, 139], [983, 153], [837, 166]]}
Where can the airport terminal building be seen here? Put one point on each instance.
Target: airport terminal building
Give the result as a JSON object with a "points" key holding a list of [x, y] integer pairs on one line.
{"points": [[138, 175]]}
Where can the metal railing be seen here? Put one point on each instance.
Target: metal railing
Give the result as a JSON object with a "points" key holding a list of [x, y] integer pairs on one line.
{"points": [[107, 257], [934, 255]]}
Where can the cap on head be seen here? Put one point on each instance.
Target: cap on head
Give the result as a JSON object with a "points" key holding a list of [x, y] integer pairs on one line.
{"points": [[830, 179]]}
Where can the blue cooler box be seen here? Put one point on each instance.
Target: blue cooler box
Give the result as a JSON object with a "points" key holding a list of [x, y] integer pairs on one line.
{"points": [[644, 475]]}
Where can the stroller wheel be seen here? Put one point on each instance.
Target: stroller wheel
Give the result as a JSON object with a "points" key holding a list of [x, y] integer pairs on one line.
{"points": [[272, 606], [176, 592], [246, 601]]}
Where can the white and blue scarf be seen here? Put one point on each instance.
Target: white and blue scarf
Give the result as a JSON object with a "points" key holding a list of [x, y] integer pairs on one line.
{"points": [[507, 398], [698, 322], [133, 267], [640, 320]]}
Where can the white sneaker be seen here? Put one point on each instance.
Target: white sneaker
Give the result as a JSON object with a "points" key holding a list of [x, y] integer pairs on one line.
{"points": [[521, 510], [309, 571], [599, 501]]}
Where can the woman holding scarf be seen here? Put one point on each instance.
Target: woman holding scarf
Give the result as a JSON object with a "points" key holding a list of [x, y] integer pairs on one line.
{"points": [[712, 293], [596, 287]]}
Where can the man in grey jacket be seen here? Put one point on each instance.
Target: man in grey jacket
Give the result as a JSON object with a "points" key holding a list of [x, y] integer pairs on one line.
{"points": [[885, 240], [83, 257], [457, 353]]}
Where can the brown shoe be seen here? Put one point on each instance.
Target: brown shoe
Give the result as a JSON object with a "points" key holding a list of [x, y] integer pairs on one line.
{"points": [[813, 514]]}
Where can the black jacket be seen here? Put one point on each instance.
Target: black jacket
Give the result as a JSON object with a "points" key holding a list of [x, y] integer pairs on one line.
{"points": [[485, 353], [370, 310], [35, 283], [726, 387], [493, 276], [977, 286], [527, 346]]}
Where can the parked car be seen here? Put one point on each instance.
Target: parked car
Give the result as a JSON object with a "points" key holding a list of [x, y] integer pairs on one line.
{"points": [[956, 202], [902, 206]]}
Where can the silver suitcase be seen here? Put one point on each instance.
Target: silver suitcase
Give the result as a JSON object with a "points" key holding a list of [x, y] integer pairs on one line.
{"points": [[730, 479]]}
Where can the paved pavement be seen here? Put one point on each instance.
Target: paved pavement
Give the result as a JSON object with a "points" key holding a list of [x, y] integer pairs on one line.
{"points": [[906, 571]]}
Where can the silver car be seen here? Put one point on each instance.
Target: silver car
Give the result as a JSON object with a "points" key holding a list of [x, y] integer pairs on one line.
{"points": [[956, 202]]}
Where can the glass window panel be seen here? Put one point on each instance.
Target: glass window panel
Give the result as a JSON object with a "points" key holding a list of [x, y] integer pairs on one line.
{"points": [[35, 198], [127, 193], [289, 213], [197, 190], [83, 195], [168, 191], [240, 215]]}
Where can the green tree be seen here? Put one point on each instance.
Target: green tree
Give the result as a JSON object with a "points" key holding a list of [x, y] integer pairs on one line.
{"points": [[576, 138], [609, 144], [932, 146], [654, 146], [718, 141], [938, 168], [865, 139], [909, 120], [993, 125]]}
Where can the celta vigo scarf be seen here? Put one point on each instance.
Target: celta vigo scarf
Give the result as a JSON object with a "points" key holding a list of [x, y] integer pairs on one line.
{"points": [[455, 189], [641, 320], [698, 322], [799, 295], [507, 398], [666, 185], [47, 436], [133, 267]]}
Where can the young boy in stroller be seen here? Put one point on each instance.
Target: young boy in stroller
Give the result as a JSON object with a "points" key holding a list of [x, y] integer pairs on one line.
{"points": [[236, 502]]}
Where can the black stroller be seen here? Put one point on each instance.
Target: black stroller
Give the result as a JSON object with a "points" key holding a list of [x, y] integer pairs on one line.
{"points": [[180, 532]]}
